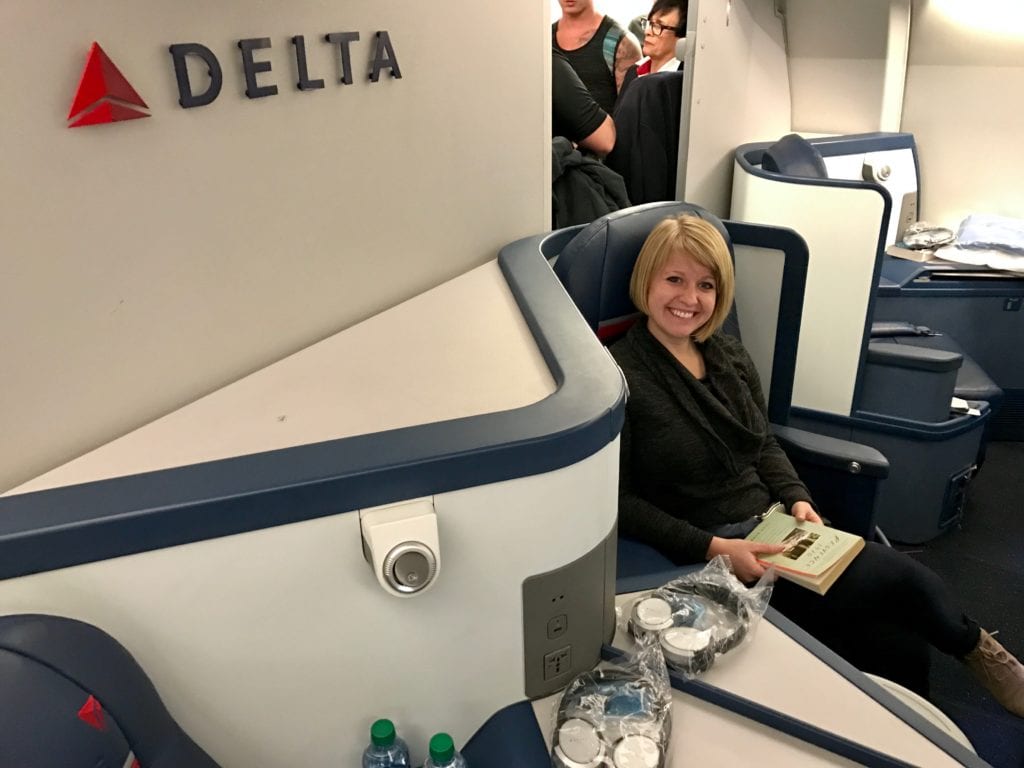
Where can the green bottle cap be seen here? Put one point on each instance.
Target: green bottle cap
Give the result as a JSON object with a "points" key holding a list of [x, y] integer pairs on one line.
{"points": [[442, 748], [382, 733]]}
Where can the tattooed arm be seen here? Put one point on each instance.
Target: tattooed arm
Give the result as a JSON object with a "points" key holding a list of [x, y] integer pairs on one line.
{"points": [[627, 53]]}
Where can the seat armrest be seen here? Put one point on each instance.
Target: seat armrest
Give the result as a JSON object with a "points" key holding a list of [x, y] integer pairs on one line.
{"points": [[908, 382], [843, 477], [914, 358], [831, 452]]}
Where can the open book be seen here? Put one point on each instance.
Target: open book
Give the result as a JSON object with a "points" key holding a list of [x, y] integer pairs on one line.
{"points": [[815, 554]]}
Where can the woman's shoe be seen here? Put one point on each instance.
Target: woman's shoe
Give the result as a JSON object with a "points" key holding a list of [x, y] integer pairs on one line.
{"points": [[999, 672]]}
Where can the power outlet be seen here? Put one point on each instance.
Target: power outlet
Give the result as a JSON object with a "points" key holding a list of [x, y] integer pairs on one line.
{"points": [[557, 663], [567, 614]]}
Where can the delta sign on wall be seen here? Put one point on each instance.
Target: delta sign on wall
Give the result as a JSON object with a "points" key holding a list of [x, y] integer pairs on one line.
{"points": [[104, 94]]}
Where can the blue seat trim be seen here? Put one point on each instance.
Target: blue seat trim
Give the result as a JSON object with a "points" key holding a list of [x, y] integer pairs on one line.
{"points": [[791, 292], [893, 425], [848, 144], [749, 157], [94, 521]]}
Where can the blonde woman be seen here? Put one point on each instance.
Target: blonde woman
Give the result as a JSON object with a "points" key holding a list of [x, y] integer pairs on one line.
{"points": [[699, 462]]}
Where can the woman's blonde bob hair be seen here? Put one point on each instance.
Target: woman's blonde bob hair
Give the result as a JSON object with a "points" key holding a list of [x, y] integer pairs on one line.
{"points": [[698, 239]]}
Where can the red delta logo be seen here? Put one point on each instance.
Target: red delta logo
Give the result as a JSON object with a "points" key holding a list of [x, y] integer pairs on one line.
{"points": [[104, 95]]}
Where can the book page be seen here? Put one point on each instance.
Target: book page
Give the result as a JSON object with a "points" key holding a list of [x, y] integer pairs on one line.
{"points": [[810, 548]]}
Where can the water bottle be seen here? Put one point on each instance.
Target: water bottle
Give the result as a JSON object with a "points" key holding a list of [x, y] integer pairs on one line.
{"points": [[386, 749], [443, 753]]}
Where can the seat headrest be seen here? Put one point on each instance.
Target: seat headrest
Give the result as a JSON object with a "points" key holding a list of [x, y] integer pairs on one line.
{"points": [[76, 697], [794, 155], [596, 266]]}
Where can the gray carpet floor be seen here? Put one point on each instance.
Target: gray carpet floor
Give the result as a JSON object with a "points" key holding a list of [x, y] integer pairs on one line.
{"points": [[983, 561]]}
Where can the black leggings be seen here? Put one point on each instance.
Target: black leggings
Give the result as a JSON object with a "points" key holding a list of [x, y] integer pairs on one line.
{"points": [[882, 614]]}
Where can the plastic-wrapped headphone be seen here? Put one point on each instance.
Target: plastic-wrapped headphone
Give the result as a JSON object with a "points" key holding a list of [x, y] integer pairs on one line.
{"points": [[693, 622], [613, 719]]}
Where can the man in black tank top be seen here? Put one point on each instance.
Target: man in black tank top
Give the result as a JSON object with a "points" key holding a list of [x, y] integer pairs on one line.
{"points": [[598, 49]]}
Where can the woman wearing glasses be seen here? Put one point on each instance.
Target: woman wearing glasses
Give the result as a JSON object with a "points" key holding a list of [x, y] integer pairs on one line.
{"points": [[662, 28], [647, 112]]}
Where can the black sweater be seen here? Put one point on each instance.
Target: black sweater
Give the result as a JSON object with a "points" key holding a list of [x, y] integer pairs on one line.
{"points": [[695, 454]]}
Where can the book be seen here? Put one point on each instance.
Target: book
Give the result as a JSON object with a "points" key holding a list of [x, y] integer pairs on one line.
{"points": [[815, 554]]}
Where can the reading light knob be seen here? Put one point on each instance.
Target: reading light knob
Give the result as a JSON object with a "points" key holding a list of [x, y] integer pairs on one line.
{"points": [[401, 544], [854, 467], [410, 567], [877, 173]]}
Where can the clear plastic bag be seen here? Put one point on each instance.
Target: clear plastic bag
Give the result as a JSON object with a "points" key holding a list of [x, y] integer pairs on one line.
{"points": [[922, 234], [699, 616], [616, 717]]}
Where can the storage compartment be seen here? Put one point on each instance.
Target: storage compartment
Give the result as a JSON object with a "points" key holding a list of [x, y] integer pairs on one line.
{"points": [[909, 382], [978, 308], [931, 467]]}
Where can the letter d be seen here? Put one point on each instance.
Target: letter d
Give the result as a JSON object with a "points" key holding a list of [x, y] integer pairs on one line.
{"points": [[186, 98]]}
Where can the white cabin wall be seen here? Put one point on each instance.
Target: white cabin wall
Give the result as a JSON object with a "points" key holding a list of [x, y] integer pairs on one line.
{"points": [[962, 104], [847, 63], [740, 93], [148, 262]]}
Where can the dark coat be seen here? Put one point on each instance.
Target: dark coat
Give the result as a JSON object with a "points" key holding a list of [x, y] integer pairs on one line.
{"points": [[582, 187], [647, 137]]}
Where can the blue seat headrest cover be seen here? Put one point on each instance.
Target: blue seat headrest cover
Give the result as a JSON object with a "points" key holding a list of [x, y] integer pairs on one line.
{"points": [[794, 155]]}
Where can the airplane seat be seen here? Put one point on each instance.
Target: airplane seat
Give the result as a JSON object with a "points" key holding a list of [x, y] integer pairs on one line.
{"points": [[595, 268], [795, 156], [75, 698], [848, 196], [596, 265]]}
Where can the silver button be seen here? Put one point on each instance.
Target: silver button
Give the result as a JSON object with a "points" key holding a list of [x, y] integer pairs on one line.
{"points": [[410, 566]]}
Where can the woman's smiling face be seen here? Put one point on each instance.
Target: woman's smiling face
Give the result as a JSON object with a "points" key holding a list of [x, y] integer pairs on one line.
{"points": [[681, 298]]}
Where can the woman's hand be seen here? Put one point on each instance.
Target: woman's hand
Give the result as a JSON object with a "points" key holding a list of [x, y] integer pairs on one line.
{"points": [[801, 510], [743, 555]]}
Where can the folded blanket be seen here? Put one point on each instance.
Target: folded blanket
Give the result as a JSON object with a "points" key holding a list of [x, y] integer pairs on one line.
{"points": [[991, 232], [993, 258]]}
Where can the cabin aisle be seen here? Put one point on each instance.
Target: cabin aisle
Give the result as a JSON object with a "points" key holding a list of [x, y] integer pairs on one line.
{"points": [[984, 561]]}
